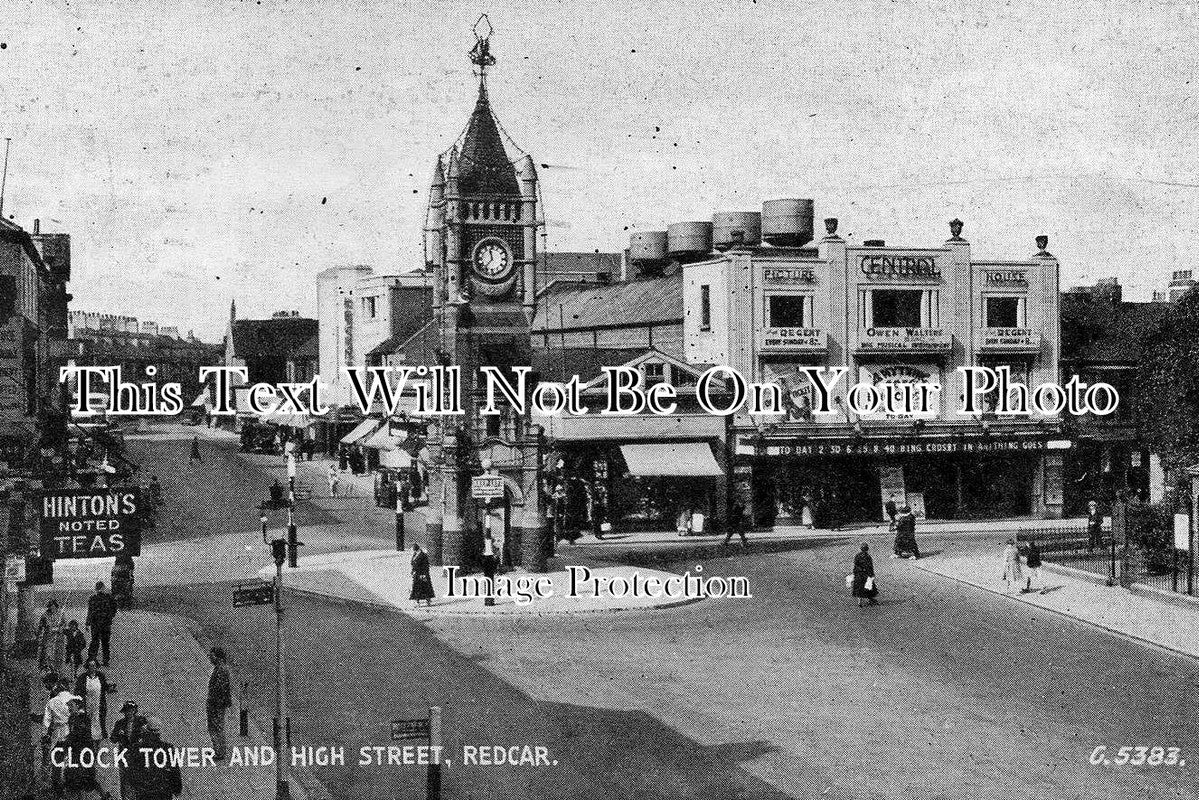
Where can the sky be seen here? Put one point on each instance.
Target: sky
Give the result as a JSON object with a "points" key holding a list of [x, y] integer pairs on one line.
{"points": [[213, 150]]}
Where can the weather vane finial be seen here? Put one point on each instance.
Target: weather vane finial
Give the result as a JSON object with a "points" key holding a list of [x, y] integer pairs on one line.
{"points": [[481, 53]]}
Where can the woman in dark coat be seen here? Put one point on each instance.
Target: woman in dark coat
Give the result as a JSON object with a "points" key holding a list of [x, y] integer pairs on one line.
{"points": [[422, 584], [79, 738], [863, 568]]}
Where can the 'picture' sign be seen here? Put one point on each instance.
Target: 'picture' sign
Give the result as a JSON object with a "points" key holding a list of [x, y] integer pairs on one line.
{"points": [[90, 523]]}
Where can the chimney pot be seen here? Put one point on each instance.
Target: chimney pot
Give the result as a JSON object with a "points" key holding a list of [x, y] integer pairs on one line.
{"points": [[37, 227]]}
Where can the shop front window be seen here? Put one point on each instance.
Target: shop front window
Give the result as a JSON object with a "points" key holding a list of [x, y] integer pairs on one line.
{"points": [[786, 311], [1005, 312], [897, 308]]}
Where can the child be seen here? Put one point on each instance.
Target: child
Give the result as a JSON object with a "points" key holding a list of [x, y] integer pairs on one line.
{"points": [[76, 644]]}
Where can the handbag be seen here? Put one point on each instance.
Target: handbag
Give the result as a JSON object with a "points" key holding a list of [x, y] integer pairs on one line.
{"points": [[869, 584]]}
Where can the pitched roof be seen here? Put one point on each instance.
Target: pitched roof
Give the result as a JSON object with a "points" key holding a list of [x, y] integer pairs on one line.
{"points": [[653, 301], [484, 164], [280, 336]]}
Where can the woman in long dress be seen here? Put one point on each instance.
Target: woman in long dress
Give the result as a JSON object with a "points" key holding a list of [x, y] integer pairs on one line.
{"points": [[51, 641], [1012, 574], [863, 571], [422, 584]]}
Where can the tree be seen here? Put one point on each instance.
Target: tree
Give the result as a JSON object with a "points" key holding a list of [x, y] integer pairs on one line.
{"points": [[1167, 398]]}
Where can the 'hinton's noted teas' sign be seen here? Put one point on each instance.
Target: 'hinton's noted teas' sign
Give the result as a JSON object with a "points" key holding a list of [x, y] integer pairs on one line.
{"points": [[90, 523]]}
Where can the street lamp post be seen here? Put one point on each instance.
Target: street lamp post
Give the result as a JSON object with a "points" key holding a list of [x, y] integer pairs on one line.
{"points": [[282, 789], [292, 541]]}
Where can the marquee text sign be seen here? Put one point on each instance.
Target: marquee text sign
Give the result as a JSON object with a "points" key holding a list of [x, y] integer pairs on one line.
{"points": [[789, 275], [904, 339], [802, 447], [90, 523], [1010, 339], [899, 265], [794, 339], [1006, 277]]}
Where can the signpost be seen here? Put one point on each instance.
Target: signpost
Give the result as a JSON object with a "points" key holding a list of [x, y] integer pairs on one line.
{"points": [[90, 523], [430, 730], [487, 487], [255, 593]]}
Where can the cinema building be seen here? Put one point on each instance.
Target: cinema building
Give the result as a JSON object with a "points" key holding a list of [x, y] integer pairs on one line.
{"points": [[761, 296]]}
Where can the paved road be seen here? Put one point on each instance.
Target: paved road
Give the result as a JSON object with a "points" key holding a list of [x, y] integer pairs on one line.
{"points": [[943, 692]]}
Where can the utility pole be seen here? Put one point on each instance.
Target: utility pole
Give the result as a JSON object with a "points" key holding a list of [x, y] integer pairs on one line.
{"points": [[4, 176], [282, 789]]}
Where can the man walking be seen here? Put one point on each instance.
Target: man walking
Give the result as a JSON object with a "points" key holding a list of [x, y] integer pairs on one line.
{"points": [[737, 524], [219, 700], [101, 609], [195, 454], [891, 510], [154, 774]]}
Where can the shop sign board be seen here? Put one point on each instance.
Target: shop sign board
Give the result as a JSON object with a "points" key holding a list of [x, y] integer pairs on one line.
{"points": [[487, 487], [1009, 339], [404, 729], [891, 265], [90, 523], [891, 484], [1006, 277], [888, 447], [889, 340], [789, 275], [808, 340], [14, 569]]}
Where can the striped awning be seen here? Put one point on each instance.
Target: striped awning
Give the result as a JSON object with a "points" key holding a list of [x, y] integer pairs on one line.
{"points": [[680, 460], [361, 430]]}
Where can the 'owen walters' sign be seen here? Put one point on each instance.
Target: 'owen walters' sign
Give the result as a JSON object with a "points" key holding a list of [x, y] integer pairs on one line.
{"points": [[90, 523]]}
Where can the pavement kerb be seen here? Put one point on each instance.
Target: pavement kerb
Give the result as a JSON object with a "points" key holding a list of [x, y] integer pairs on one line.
{"points": [[1077, 574], [1021, 599], [308, 788], [1185, 601]]}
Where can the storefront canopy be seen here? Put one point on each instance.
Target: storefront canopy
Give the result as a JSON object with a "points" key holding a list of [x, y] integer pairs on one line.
{"points": [[682, 460], [382, 439], [363, 428]]}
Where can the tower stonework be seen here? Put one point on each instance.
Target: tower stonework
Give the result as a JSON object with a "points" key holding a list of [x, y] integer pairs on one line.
{"points": [[481, 246]]}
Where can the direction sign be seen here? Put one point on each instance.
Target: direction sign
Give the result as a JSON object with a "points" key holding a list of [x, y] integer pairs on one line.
{"points": [[402, 729], [487, 487], [257, 593]]}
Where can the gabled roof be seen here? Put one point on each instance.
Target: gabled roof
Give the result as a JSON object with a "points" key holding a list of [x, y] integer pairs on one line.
{"points": [[485, 168], [654, 301]]}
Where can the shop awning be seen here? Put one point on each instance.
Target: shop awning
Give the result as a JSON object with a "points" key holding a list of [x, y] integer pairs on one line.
{"points": [[363, 428], [383, 439], [682, 460]]}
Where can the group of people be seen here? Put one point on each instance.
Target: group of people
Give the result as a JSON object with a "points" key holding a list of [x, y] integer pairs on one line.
{"points": [[61, 642], [74, 725], [1013, 569]]}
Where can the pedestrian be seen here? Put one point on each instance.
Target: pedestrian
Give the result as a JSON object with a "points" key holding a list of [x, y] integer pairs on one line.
{"points": [[153, 773], [682, 523], [195, 453], [333, 481], [77, 753], [489, 564], [864, 587], [127, 736], [905, 534], [101, 610], [736, 524], [56, 717], [422, 584], [92, 685], [891, 510], [1011, 565], [51, 640], [75, 643], [276, 494], [1033, 561], [218, 701], [1094, 526]]}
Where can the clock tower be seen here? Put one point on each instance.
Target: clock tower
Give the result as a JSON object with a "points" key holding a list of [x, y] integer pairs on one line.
{"points": [[481, 246]]}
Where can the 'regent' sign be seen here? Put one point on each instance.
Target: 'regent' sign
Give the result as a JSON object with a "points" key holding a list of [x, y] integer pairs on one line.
{"points": [[90, 523]]}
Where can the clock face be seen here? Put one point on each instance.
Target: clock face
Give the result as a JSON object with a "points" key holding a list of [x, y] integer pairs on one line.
{"points": [[492, 259]]}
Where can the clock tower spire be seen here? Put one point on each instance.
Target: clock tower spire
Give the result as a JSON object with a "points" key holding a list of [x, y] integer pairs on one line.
{"points": [[481, 246]]}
